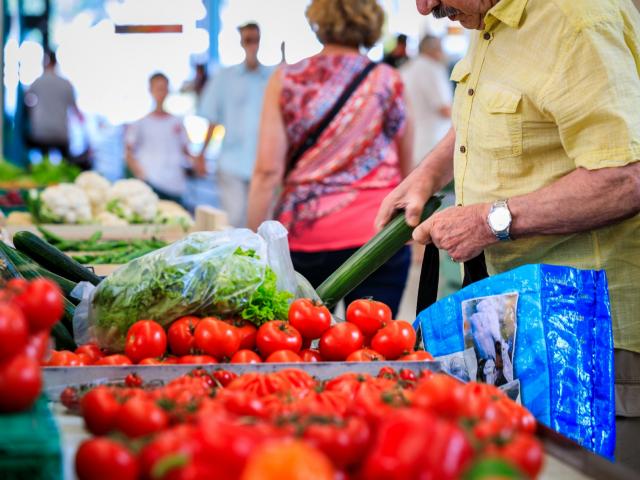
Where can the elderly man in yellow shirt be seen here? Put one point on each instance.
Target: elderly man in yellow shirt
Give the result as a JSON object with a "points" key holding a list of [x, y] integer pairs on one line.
{"points": [[544, 151]]}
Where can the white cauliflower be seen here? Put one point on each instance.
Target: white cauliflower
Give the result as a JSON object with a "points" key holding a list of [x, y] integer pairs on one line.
{"points": [[108, 219], [133, 201], [65, 203], [171, 213], [96, 187]]}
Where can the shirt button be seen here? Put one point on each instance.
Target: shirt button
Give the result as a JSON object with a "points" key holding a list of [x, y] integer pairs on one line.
{"points": [[463, 149], [487, 36], [471, 91]]}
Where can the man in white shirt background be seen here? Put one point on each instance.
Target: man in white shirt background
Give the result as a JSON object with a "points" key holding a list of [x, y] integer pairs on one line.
{"points": [[429, 95]]}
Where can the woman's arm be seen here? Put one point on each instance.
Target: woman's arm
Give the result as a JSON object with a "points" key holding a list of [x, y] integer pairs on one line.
{"points": [[405, 142], [271, 157]]}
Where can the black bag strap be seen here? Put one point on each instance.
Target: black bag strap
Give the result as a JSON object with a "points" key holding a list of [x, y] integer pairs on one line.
{"points": [[474, 271], [318, 130]]}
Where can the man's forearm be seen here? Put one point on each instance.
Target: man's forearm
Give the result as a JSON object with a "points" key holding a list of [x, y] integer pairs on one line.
{"points": [[207, 138], [582, 200]]}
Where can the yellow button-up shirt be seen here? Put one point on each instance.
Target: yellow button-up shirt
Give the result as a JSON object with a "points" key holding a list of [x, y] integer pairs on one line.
{"points": [[549, 86]]}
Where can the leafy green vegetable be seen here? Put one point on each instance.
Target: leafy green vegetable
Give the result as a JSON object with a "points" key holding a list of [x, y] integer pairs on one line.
{"points": [[43, 173], [267, 303]]}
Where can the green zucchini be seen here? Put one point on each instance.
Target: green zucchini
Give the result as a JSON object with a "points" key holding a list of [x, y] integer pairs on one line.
{"points": [[62, 337], [53, 259], [30, 270], [371, 256]]}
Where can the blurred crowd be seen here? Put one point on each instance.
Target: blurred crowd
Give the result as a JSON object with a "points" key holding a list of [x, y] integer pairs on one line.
{"points": [[316, 145]]}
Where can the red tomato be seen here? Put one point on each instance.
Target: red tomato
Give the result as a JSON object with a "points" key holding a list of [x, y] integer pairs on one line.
{"points": [[69, 398], [309, 355], [245, 356], [105, 459], [283, 356], [151, 361], [179, 440], [365, 355], [247, 331], [224, 377], [340, 341], [14, 331], [170, 360], [91, 350], [116, 359], [99, 409], [417, 356], [345, 442], [408, 375], [278, 335], [197, 359], [525, 452], [20, 383], [388, 373], [38, 346], [217, 338], [442, 394], [145, 339], [133, 380], [181, 335], [394, 340], [310, 318], [84, 359], [64, 358], [41, 301], [138, 417], [368, 315]]}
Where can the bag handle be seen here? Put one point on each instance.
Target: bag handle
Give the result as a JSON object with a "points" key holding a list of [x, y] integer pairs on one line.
{"points": [[319, 129]]}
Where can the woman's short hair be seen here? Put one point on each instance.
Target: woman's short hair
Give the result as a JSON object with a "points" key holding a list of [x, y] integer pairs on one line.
{"points": [[352, 23]]}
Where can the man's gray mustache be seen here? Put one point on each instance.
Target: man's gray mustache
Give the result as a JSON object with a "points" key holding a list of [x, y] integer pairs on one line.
{"points": [[442, 11]]}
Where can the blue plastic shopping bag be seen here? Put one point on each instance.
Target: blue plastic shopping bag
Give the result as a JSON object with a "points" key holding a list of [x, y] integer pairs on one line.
{"points": [[543, 334]]}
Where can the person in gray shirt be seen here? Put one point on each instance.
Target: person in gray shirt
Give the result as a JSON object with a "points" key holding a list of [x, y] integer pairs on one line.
{"points": [[49, 99]]}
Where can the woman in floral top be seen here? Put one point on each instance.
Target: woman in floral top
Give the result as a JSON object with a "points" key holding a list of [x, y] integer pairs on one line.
{"points": [[328, 199]]}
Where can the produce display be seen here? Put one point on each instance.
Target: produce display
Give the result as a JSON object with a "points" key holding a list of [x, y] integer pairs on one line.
{"points": [[194, 340], [288, 425], [96, 251], [28, 312], [92, 199], [43, 173]]}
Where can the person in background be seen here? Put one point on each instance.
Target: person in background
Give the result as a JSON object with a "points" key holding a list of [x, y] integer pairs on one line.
{"points": [[196, 85], [429, 95], [398, 56], [157, 147], [234, 99], [49, 100], [330, 195]]}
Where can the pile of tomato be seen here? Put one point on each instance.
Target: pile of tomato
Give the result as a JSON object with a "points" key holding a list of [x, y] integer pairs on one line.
{"points": [[369, 334], [28, 311], [289, 425]]}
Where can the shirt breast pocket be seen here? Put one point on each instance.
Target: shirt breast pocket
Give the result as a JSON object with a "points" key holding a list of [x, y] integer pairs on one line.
{"points": [[500, 127]]}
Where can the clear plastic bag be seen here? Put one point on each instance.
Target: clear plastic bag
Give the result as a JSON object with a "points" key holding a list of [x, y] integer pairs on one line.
{"points": [[226, 274]]}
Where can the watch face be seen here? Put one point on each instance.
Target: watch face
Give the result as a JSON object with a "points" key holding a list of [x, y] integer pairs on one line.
{"points": [[500, 219]]}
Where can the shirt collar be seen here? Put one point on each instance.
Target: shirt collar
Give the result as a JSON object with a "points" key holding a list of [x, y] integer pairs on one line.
{"points": [[509, 12]]}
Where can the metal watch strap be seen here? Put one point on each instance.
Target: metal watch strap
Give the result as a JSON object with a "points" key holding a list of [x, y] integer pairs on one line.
{"points": [[503, 235]]}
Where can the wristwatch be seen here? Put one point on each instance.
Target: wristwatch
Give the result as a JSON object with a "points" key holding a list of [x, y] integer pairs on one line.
{"points": [[499, 220]]}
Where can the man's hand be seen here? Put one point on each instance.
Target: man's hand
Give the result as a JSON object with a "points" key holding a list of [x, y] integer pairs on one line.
{"points": [[411, 195], [462, 232]]}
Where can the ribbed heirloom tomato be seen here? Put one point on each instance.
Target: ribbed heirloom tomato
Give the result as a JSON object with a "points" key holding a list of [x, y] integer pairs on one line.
{"points": [[311, 319], [278, 335], [145, 339], [341, 340], [217, 338], [368, 315]]}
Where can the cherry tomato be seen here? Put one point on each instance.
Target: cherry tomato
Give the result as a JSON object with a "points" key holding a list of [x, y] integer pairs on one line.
{"points": [[145, 339], [368, 315], [217, 338], [105, 459], [117, 359], [133, 380], [41, 301], [408, 375], [365, 355], [278, 335], [388, 373], [394, 340], [99, 409], [310, 318], [247, 331], [245, 356], [39, 347], [14, 331], [181, 335], [224, 377], [417, 356], [91, 350], [340, 341], [139, 416], [283, 356], [310, 355], [70, 399], [20, 383], [197, 359], [64, 358]]}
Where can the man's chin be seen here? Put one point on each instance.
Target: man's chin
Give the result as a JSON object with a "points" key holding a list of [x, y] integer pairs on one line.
{"points": [[470, 22]]}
